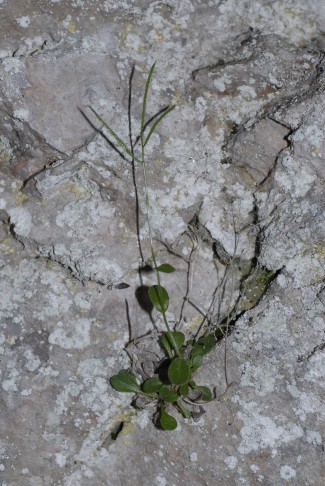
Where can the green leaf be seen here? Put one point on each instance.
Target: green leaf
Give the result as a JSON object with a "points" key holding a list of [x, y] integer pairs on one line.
{"points": [[165, 342], [179, 371], [159, 297], [125, 381], [117, 138], [167, 422], [178, 336], [197, 361], [197, 350], [208, 342], [184, 390], [206, 393], [166, 268], [152, 385], [145, 96], [203, 345], [154, 126], [179, 339], [168, 395]]}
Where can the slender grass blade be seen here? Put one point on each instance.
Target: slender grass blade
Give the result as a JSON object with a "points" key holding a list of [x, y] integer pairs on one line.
{"points": [[145, 96], [116, 137], [168, 110]]}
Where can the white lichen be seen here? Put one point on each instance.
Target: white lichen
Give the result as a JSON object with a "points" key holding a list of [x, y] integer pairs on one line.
{"points": [[74, 334]]}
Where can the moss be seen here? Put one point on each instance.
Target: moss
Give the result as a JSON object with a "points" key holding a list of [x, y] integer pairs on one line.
{"points": [[244, 267], [255, 287]]}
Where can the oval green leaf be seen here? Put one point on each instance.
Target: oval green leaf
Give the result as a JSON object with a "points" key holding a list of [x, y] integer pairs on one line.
{"points": [[125, 381], [184, 390], [152, 385], [203, 345], [179, 371], [167, 422], [159, 297], [208, 343], [168, 395], [166, 268]]}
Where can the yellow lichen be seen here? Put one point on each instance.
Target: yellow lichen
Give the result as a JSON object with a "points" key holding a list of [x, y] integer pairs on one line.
{"points": [[7, 247], [49, 265], [111, 336], [195, 323], [11, 339], [5, 149], [20, 198], [159, 36], [78, 190], [72, 27], [126, 419], [320, 249], [72, 285]]}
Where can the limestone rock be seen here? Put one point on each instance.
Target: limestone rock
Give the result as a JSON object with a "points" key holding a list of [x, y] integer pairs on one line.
{"points": [[236, 179]]}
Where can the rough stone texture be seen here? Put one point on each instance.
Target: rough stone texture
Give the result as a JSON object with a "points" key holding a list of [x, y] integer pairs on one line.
{"points": [[236, 174]]}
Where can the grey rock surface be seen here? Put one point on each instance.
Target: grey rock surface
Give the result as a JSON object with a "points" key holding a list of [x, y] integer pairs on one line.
{"points": [[236, 179]]}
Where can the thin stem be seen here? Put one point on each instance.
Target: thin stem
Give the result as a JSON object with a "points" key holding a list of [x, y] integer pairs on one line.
{"points": [[147, 201], [229, 311], [189, 276], [136, 192], [183, 411]]}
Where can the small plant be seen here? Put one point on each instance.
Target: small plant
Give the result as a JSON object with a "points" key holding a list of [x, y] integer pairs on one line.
{"points": [[172, 383]]}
